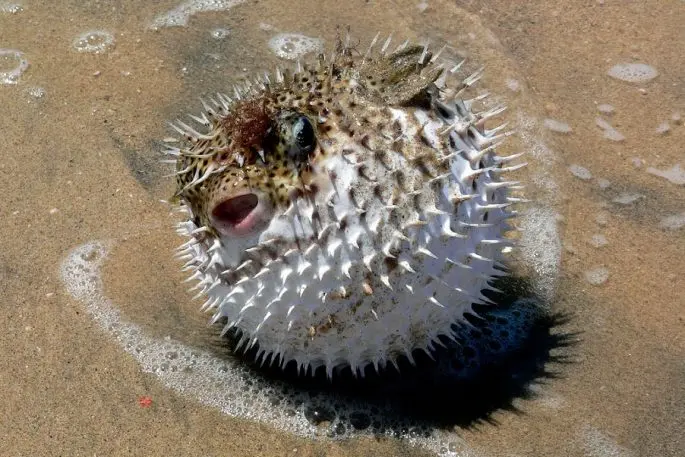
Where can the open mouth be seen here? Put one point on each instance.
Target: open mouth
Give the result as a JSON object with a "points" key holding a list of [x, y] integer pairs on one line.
{"points": [[238, 215]]}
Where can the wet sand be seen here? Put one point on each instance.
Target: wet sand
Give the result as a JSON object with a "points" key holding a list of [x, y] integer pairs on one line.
{"points": [[80, 163]]}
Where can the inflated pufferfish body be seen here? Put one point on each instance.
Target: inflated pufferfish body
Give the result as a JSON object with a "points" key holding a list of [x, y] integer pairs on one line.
{"points": [[345, 213]]}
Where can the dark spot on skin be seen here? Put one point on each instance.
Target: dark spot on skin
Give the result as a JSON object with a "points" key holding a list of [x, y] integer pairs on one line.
{"points": [[390, 264]]}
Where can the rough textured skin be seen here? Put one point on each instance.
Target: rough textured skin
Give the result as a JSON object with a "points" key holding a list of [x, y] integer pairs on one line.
{"points": [[347, 212]]}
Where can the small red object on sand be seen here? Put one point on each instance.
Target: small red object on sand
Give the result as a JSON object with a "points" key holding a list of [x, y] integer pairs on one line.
{"points": [[145, 401]]}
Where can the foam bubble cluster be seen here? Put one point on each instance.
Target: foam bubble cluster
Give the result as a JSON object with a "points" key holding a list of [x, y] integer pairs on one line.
{"points": [[292, 46], [627, 198], [673, 222], [12, 65], [610, 133], [605, 108], [94, 42], [597, 276], [219, 33], [540, 246], [557, 126], [598, 240], [580, 172], [36, 92], [179, 16], [633, 72], [603, 183], [662, 128], [11, 8], [675, 174], [597, 444]]}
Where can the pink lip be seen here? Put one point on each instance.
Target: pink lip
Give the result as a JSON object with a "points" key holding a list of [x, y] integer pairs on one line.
{"points": [[239, 215]]}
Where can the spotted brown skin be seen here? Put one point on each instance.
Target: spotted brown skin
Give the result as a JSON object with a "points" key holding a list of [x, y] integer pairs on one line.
{"points": [[251, 141]]}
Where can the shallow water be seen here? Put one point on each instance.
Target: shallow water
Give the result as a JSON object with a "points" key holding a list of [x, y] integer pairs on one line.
{"points": [[83, 122]]}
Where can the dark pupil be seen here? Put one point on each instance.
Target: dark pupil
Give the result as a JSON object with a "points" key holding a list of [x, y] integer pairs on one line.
{"points": [[304, 135]]}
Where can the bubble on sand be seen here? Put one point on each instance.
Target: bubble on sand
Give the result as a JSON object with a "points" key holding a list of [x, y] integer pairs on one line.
{"points": [[541, 247], [633, 72], [597, 276], [36, 92], [178, 17], [557, 126], [675, 174], [12, 65], [610, 132], [627, 198], [605, 108], [580, 172], [673, 222], [662, 128], [597, 444], [10, 8], [94, 42], [603, 183], [598, 240], [292, 46], [602, 218], [637, 162], [219, 33], [513, 85]]}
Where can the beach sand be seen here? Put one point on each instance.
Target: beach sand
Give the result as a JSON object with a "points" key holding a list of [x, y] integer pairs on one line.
{"points": [[81, 140]]}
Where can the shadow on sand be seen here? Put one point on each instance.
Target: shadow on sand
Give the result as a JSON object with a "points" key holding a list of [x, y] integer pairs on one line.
{"points": [[507, 348]]}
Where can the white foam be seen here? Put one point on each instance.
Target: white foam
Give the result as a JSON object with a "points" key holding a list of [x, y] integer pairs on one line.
{"points": [[36, 92], [213, 381], [580, 172], [662, 128], [603, 183], [513, 84], [219, 33], [10, 75], [540, 247], [540, 244], [598, 240], [11, 8], [178, 17], [627, 198], [633, 72], [675, 174], [94, 42], [610, 132], [597, 444], [597, 276], [605, 108], [557, 126], [602, 219], [292, 46], [529, 133], [673, 222]]}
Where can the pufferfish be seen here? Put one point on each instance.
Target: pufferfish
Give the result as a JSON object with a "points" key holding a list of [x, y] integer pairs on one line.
{"points": [[347, 212]]}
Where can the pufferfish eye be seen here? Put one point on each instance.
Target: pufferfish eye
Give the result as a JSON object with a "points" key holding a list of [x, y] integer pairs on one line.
{"points": [[303, 133], [298, 135]]}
